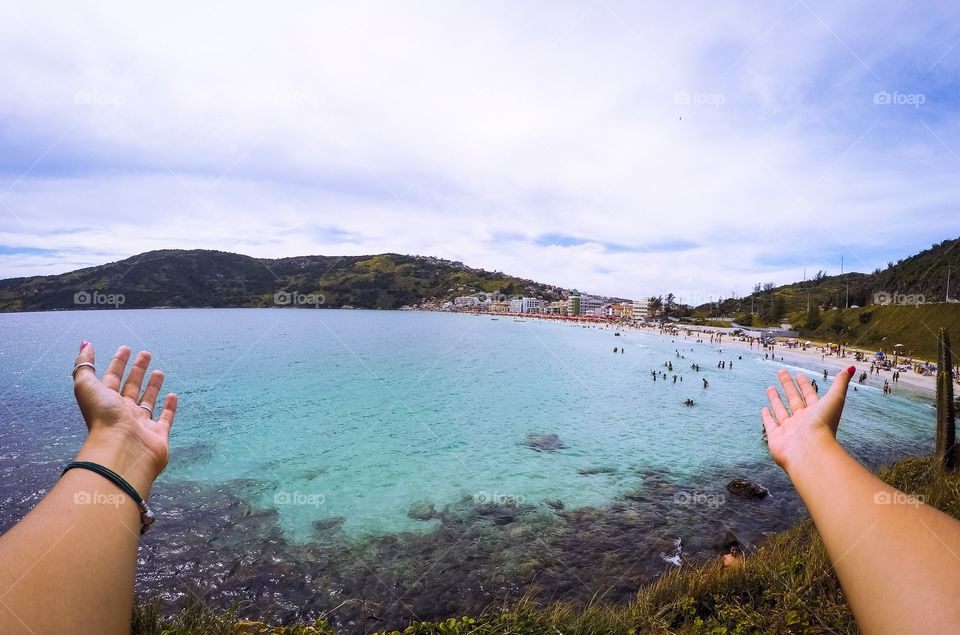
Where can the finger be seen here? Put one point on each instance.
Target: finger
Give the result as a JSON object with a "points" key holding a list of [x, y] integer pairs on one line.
{"points": [[776, 405], [111, 378], [791, 392], [169, 411], [809, 393], [131, 387], [769, 423], [838, 390], [85, 374], [149, 398]]}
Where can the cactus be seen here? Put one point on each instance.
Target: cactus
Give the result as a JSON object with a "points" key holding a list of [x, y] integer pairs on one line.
{"points": [[946, 425]]}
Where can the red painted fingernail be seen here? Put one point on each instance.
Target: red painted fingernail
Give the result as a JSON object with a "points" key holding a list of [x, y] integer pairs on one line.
{"points": [[852, 370], [83, 345]]}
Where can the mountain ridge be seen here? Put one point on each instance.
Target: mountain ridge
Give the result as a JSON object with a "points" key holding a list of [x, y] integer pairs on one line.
{"points": [[212, 278]]}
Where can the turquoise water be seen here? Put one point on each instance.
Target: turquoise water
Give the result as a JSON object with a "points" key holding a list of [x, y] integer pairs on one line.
{"points": [[360, 414], [305, 436]]}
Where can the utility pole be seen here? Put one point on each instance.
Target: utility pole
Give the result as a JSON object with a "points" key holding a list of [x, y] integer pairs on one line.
{"points": [[948, 283], [846, 304]]}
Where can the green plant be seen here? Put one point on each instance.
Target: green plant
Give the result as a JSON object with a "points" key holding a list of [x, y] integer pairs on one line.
{"points": [[946, 416], [813, 317]]}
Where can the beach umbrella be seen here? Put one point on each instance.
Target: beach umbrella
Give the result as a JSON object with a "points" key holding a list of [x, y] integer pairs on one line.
{"points": [[897, 345]]}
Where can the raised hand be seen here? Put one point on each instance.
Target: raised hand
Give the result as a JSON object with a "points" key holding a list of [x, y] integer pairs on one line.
{"points": [[792, 433], [120, 421]]}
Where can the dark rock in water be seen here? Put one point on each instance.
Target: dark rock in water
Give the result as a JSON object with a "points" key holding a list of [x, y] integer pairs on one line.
{"points": [[314, 472], [554, 503], [544, 442], [422, 510], [590, 471], [746, 489], [502, 514], [499, 515], [328, 524]]}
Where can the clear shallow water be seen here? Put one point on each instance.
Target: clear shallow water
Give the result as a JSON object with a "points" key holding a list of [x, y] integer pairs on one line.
{"points": [[300, 427]]}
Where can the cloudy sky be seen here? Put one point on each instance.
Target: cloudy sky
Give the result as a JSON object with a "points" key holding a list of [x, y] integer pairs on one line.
{"points": [[620, 148]]}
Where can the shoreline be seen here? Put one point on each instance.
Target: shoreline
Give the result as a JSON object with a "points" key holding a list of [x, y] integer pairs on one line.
{"points": [[910, 383]]}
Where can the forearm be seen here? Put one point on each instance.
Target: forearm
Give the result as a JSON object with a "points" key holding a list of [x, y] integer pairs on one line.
{"points": [[75, 550], [898, 560]]}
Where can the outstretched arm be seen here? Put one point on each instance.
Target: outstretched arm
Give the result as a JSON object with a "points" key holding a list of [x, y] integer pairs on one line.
{"points": [[69, 565], [898, 559]]}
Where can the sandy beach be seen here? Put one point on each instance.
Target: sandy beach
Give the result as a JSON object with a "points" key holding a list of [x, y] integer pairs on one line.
{"points": [[816, 356]]}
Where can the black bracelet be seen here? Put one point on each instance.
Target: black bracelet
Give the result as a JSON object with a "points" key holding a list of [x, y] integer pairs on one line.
{"points": [[146, 516]]}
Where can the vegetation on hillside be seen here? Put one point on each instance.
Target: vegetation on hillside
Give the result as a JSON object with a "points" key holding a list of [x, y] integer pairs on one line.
{"points": [[200, 278], [882, 327], [918, 278], [787, 586]]}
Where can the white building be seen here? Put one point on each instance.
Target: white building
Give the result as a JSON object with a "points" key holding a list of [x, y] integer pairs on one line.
{"points": [[529, 305], [641, 309], [466, 301], [516, 305], [590, 305]]}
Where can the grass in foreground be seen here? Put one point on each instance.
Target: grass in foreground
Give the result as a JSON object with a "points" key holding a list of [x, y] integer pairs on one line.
{"points": [[788, 586]]}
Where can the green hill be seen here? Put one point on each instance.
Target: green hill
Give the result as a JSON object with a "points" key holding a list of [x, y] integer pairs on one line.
{"points": [[882, 327], [917, 279], [201, 278]]}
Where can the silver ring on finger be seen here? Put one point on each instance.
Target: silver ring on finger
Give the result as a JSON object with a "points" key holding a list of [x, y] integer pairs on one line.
{"points": [[82, 365], [147, 408]]}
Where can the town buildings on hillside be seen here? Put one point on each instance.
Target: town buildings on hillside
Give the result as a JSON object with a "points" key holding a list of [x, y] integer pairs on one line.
{"points": [[575, 304]]}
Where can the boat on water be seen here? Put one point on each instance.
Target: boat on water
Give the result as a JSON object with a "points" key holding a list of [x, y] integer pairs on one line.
{"points": [[494, 319], [518, 320]]}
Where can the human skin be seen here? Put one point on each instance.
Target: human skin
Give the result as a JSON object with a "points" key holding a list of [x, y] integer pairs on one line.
{"points": [[897, 559], [68, 566]]}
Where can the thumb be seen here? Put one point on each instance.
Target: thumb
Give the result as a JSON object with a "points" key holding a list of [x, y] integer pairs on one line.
{"points": [[838, 391], [839, 387], [85, 377], [86, 356]]}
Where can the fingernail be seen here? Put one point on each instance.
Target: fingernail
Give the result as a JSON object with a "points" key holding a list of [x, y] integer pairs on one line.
{"points": [[852, 370], [83, 345]]}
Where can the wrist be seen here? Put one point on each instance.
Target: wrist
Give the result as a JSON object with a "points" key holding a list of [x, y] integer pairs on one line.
{"points": [[123, 456], [806, 457]]}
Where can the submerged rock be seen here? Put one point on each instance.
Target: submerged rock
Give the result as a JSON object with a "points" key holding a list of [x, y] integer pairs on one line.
{"points": [[544, 442], [329, 524], [746, 489], [422, 510], [590, 471]]}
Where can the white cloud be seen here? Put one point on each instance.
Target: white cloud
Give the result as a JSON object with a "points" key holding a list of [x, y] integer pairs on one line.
{"points": [[748, 130]]}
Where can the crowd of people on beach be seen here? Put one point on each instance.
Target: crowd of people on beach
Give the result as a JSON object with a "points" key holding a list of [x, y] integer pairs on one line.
{"points": [[880, 362]]}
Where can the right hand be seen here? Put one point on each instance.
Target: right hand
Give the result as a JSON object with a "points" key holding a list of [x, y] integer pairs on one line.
{"points": [[793, 433], [121, 432]]}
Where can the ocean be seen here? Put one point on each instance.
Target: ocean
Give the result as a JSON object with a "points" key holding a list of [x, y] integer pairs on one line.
{"points": [[406, 457]]}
